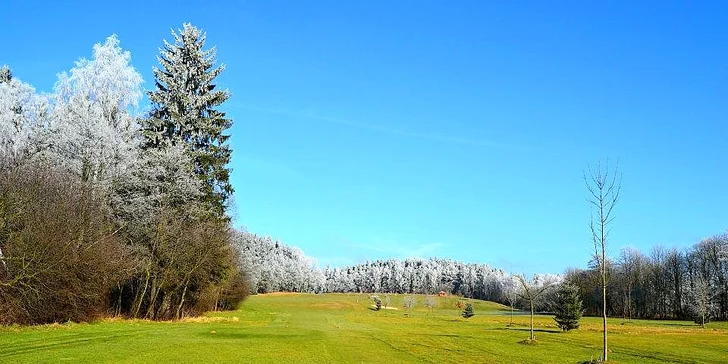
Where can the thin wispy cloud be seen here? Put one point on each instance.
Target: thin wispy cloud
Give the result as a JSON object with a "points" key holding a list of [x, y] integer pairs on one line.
{"points": [[440, 138]]}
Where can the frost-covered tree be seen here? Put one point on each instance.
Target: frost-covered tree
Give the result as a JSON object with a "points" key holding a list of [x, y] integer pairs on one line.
{"points": [[700, 301], [92, 122], [408, 302], [160, 179], [419, 276], [510, 291], [148, 203], [430, 302], [185, 261], [273, 266], [185, 110], [22, 116], [5, 74]]}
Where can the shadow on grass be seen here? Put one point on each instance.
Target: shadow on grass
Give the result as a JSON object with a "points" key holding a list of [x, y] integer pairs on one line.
{"points": [[682, 325], [527, 329]]}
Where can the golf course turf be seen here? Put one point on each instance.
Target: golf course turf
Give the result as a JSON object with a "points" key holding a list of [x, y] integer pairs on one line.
{"points": [[343, 328]]}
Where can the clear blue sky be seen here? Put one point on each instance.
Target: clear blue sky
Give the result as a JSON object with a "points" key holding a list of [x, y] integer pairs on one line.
{"points": [[368, 130]]}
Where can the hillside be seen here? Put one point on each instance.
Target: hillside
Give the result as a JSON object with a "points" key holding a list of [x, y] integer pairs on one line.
{"points": [[340, 328]]}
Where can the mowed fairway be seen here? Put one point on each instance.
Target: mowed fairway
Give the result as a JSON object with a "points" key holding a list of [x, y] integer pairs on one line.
{"points": [[340, 328]]}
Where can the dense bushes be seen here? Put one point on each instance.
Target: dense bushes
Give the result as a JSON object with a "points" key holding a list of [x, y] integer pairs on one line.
{"points": [[61, 256]]}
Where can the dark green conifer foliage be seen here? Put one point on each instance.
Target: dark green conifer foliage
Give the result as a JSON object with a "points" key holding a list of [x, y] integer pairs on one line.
{"points": [[468, 311], [185, 111], [568, 308]]}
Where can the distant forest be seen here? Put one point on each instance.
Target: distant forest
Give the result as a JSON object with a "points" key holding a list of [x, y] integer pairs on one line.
{"points": [[665, 284]]}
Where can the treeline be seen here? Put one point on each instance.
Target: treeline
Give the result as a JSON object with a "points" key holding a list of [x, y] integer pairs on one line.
{"points": [[667, 283], [108, 210], [273, 266], [420, 276]]}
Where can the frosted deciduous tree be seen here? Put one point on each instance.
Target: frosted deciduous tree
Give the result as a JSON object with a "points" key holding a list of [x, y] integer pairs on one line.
{"points": [[22, 116], [92, 122], [185, 262], [185, 110], [5, 74], [160, 179], [430, 302], [274, 266], [510, 290], [700, 301], [408, 302]]}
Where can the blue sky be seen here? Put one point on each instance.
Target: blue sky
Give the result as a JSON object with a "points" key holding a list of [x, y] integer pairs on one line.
{"points": [[370, 129]]}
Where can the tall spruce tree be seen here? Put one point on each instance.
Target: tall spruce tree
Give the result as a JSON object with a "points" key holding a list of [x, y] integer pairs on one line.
{"points": [[568, 308], [184, 111]]}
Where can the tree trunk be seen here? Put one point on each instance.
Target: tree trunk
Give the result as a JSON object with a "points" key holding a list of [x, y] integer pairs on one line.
{"points": [[118, 301], [153, 310], [604, 297], [532, 336], [511, 314], [178, 314], [629, 302]]}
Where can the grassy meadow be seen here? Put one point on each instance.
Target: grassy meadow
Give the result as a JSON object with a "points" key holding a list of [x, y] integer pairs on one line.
{"points": [[341, 328]]}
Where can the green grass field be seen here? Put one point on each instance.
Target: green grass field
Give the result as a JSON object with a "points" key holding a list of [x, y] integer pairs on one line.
{"points": [[340, 328]]}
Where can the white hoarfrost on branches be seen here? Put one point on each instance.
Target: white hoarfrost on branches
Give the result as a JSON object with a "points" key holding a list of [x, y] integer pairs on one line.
{"points": [[93, 127], [160, 179], [22, 115], [273, 266], [186, 109]]}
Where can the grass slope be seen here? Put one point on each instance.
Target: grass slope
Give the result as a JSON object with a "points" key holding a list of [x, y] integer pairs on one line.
{"points": [[301, 328]]}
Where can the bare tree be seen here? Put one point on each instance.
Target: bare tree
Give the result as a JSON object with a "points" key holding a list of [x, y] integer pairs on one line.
{"points": [[510, 290], [604, 186], [61, 256], [408, 302], [630, 262], [430, 302], [701, 301], [532, 291]]}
